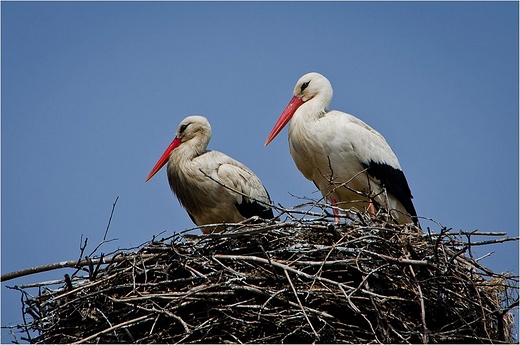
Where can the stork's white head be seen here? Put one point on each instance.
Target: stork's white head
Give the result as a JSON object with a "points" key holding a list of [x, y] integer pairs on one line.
{"points": [[194, 127], [312, 85], [313, 88], [193, 134]]}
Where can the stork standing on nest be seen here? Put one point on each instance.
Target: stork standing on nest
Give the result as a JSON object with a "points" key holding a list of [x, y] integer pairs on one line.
{"points": [[212, 187], [350, 163]]}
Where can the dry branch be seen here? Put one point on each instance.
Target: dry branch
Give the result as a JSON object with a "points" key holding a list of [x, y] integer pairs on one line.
{"points": [[53, 266]]}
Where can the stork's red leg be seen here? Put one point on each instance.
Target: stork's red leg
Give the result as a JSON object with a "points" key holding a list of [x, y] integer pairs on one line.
{"points": [[335, 209], [371, 208]]}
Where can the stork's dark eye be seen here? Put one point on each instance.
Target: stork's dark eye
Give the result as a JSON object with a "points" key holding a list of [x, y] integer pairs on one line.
{"points": [[304, 86], [183, 128]]}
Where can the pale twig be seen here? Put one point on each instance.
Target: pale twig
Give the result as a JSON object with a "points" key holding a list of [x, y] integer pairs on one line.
{"points": [[143, 318], [398, 260], [349, 300], [268, 300], [300, 304], [423, 309], [498, 240], [229, 269], [201, 326], [50, 282], [107, 320], [58, 265], [485, 256], [108, 227], [167, 313], [153, 326], [82, 248]]}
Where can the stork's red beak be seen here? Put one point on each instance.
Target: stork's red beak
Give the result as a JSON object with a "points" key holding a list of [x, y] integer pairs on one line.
{"points": [[287, 114], [164, 158]]}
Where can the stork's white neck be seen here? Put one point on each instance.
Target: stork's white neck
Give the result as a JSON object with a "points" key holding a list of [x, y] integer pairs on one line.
{"points": [[312, 109], [317, 96], [190, 150]]}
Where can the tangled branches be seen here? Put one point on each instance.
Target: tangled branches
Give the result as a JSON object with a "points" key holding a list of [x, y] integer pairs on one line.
{"points": [[285, 282]]}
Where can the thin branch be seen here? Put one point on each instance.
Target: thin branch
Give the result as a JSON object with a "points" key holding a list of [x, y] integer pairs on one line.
{"points": [[300, 304], [108, 227], [423, 309], [58, 265], [143, 318]]}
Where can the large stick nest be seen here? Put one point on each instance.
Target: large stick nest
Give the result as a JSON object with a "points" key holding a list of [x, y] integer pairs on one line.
{"points": [[285, 282]]}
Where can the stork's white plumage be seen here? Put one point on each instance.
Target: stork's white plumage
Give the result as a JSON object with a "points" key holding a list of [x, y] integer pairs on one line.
{"points": [[350, 163], [212, 187]]}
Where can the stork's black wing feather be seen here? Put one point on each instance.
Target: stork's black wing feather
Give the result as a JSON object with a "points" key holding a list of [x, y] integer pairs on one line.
{"points": [[249, 208], [395, 183]]}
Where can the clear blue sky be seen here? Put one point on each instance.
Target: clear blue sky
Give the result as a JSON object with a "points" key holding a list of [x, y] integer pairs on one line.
{"points": [[92, 94]]}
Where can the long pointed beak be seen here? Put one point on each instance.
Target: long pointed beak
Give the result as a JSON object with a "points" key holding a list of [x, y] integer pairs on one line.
{"points": [[287, 114], [164, 158]]}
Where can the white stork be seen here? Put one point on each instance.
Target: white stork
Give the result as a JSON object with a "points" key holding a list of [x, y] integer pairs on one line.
{"points": [[349, 162], [212, 187]]}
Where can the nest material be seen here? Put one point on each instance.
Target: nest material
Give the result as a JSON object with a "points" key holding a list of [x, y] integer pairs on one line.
{"points": [[293, 282]]}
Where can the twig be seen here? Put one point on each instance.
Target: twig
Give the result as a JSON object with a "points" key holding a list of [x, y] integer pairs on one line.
{"points": [[349, 300], [107, 320], [122, 324], [498, 240], [108, 227], [49, 282], [300, 304], [167, 313], [423, 309], [58, 265], [398, 260]]}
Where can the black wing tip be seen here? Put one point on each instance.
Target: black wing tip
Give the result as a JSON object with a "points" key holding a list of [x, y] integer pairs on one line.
{"points": [[250, 209], [395, 182], [268, 214]]}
